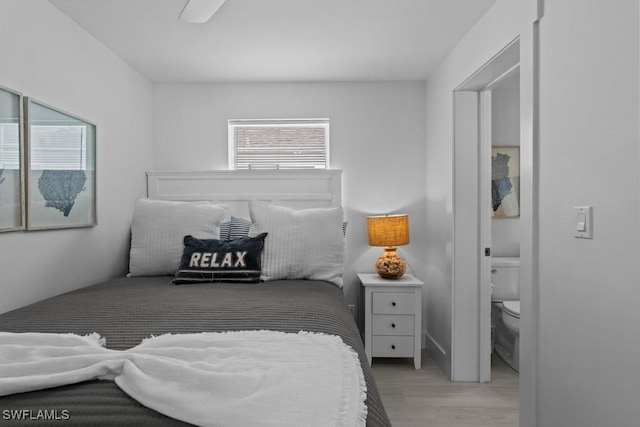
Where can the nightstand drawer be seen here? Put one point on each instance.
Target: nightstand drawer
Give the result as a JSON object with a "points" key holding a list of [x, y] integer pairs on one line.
{"points": [[390, 346], [393, 324], [393, 302]]}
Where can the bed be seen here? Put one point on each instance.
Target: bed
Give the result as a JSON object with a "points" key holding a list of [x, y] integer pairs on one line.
{"points": [[126, 310]]}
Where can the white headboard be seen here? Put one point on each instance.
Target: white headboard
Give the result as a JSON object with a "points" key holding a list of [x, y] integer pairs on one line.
{"points": [[294, 188]]}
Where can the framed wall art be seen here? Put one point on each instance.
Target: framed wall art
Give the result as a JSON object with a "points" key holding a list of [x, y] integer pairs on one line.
{"points": [[11, 161], [505, 181], [61, 168]]}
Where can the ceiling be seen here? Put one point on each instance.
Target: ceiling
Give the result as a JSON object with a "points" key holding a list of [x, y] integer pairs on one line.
{"points": [[280, 40]]}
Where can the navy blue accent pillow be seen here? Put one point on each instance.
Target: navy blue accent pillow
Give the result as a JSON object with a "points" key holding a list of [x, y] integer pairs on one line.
{"points": [[212, 260]]}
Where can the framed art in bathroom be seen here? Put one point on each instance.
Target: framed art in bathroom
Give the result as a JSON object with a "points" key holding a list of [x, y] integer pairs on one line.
{"points": [[61, 168], [11, 161], [505, 181]]}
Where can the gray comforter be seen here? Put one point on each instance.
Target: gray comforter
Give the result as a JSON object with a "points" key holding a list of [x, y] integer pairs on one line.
{"points": [[126, 310]]}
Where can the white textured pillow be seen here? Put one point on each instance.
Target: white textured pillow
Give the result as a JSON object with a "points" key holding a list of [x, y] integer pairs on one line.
{"points": [[302, 244], [158, 229]]}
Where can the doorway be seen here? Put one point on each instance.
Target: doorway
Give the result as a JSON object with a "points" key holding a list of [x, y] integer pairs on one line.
{"points": [[474, 120]]}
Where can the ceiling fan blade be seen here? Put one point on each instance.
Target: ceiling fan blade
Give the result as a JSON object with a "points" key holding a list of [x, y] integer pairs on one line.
{"points": [[200, 11]]}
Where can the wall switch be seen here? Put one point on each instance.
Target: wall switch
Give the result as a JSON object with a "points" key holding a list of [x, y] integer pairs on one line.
{"points": [[583, 216]]}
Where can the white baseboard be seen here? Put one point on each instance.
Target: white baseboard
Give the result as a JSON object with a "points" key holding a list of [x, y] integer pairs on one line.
{"points": [[437, 352]]}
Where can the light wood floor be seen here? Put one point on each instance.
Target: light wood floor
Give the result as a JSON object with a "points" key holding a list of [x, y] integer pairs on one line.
{"points": [[425, 397]]}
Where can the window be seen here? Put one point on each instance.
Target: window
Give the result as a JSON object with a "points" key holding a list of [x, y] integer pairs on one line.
{"points": [[279, 144]]}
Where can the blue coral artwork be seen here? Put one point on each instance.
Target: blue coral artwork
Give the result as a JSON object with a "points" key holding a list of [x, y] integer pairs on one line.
{"points": [[61, 198], [60, 188], [505, 181]]}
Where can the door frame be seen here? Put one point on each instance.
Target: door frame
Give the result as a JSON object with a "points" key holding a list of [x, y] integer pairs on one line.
{"points": [[530, 40], [471, 311]]}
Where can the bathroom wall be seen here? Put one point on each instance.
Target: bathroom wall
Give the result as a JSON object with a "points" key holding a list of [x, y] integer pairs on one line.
{"points": [[505, 130]]}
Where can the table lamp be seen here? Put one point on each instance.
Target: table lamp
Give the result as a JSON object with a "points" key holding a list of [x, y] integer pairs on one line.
{"points": [[389, 231]]}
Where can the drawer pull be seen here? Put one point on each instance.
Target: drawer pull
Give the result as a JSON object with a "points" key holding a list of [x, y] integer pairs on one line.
{"points": [[393, 325], [393, 346], [393, 303]]}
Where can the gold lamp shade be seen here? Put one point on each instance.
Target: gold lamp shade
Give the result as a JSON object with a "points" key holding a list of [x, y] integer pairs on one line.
{"points": [[389, 231]]}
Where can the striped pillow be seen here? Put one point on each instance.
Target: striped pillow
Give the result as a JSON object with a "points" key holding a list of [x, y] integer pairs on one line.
{"points": [[224, 229], [302, 244], [213, 260], [234, 228]]}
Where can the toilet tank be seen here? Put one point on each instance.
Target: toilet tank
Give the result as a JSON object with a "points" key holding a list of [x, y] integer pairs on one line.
{"points": [[505, 278]]}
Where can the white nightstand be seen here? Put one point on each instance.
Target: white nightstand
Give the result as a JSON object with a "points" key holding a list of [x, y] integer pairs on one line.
{"points": [[393, 317]]}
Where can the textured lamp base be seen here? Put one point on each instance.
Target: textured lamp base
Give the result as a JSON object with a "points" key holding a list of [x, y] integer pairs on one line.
{"points": [[389, 265]]}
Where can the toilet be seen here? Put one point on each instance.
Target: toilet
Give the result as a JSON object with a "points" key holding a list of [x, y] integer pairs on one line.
{"points": [[505, 312]]}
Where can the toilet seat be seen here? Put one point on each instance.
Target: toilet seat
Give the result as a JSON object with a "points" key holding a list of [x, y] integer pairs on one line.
{"points": [[512, 308]]}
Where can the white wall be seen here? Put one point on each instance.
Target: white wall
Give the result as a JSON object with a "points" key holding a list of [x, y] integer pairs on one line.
{"points": [[48, 57], [377, 138], [505, 130], [493, 32], [589, 340]]}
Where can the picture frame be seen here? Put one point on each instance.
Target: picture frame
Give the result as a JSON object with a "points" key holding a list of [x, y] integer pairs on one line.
{"points": [[505, 181], [12, 187], [61, 168]]}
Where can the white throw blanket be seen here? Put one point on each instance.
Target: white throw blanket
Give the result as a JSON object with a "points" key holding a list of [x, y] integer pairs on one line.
{"points": [[245, 378]]}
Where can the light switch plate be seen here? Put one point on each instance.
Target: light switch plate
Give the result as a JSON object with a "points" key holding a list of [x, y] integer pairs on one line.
{"points": [[583, 222]]}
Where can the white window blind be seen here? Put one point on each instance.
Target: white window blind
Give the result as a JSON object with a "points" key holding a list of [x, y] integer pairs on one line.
{"points": [[279, 144], [58, 147], [9, 146], [54, 147]]}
